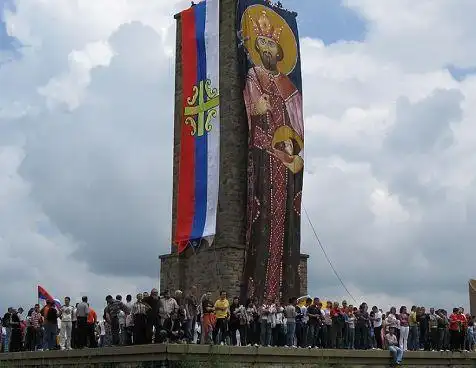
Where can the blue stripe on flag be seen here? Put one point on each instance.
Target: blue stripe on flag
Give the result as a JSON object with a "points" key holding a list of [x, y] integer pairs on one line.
{"points": [[201, 143]]}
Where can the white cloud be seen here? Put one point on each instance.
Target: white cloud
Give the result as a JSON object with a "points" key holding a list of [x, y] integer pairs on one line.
{"points": [[85, 150], [69, 88]]}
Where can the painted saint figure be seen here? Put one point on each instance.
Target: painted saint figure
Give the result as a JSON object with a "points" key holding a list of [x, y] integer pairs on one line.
{"points": [[275, 169]]}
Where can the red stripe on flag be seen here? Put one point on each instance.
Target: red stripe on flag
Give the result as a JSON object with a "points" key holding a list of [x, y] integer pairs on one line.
{"points": [[43, 294], [186, 179]]}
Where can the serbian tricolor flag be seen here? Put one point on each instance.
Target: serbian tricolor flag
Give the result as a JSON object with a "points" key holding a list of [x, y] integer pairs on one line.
{"points": [[199, 163], [44, 295]]}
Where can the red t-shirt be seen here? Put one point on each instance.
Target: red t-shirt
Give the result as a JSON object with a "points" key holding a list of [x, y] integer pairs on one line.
{"points": [[463, 320], [455, 322], [335, 312]]}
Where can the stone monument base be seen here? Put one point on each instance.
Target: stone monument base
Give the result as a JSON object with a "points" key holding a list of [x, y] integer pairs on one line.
{"points": [[204, 356], [211, 269]]}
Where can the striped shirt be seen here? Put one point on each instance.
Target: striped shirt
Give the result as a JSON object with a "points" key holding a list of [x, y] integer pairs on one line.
{"points": [[35, 319], [139, 308], [114, 308]]}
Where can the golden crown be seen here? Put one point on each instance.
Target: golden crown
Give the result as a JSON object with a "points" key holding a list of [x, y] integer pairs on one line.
{"points": [[263, 27]]}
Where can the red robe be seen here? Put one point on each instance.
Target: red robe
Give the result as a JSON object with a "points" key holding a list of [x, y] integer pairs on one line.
{"points": [[274, 192]]}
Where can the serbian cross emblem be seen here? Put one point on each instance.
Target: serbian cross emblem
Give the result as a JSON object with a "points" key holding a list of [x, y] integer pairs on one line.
{"points": [[201, 108]]}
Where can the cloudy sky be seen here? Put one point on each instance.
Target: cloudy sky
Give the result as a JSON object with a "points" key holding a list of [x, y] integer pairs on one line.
{"points": [[86, 95]]}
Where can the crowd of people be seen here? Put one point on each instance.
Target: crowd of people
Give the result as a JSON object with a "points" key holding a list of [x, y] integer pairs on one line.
{"points": [[186, 318]]}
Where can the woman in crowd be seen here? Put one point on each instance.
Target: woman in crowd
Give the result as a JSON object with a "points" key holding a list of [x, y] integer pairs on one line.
{"points": [[244, 321], [279, 335], [16, 337], [338, 323], [455, 330], [413, 329], [253, 317], [469, 343], [208, 318], [403, 318], [234, 324], [362, 332], [350, 328]]}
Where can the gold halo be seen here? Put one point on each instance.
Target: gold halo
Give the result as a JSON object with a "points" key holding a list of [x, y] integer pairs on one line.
{"points": [[284, 133], [287, 40]]}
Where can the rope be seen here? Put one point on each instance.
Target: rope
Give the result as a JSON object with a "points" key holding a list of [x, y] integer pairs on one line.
{"points": [[327, 257]]}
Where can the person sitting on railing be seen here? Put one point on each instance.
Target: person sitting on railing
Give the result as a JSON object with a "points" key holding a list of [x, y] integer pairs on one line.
{"points": [[395, 350]]}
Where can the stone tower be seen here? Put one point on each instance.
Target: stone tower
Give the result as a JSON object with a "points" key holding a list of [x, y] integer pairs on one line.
{"points": [[472, 296], [220, 266]]}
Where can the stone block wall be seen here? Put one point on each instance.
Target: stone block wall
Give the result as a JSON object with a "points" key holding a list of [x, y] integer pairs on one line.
{"points": [[472, 296], [303, 274], [209, 269]]}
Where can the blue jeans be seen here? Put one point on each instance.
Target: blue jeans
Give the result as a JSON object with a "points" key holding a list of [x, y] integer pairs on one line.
{"points": [[6, 342], [413, 338], [265, 333], [469, 340], [312, 335], [350, 338], [190, 329], [50, 331], [397, 354], [291, 333]]}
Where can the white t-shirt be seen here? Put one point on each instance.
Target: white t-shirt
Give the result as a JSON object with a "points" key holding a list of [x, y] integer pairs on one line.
{"points": [[67, 313], [305, 317], [122, 318], [378, 319], [102, 328]]}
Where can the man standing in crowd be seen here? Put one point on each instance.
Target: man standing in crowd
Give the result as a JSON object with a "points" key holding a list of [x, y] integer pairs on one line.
{"points": [[139, 314], [191, 312], [290, 314], [222, 312], [74, 330], [35, 327], [111, 312], [153, 314], [91, 331], [82, 311], [6, 321], [122, 324], [50, 327], [315, 319], [66, 315], [423, 326], [377, 324], [433, 328], [169, 309]]}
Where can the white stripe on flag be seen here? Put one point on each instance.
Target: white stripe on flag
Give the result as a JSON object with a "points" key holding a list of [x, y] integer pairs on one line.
{"points": [[212, 36]]}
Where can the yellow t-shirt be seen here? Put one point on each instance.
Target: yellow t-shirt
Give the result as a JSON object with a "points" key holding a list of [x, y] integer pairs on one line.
{"points": [[224, 305]]}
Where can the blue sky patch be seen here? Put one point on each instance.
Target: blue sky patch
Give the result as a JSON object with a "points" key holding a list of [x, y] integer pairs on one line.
{"points": [[328, 20], [461, 73], [7, 44]]}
